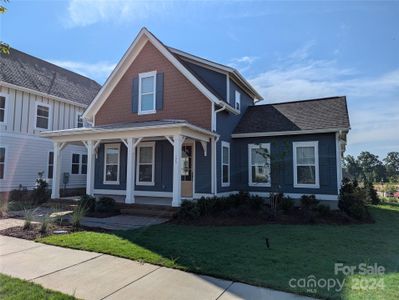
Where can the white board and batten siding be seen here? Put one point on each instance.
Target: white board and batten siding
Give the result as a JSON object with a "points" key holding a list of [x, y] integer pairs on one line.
{"points": [[26, 152]]}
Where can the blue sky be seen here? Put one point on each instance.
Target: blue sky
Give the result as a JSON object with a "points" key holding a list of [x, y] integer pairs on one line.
{"points": [[287, 50]]}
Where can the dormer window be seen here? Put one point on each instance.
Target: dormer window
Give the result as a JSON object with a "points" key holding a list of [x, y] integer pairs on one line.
{"points": [[147, 93], [237, 102]]}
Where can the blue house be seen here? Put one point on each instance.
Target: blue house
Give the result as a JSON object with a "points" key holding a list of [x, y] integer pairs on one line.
{"points": [[168, 124]]}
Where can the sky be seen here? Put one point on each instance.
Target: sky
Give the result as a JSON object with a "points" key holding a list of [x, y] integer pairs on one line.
{"points": [[287, 50]]}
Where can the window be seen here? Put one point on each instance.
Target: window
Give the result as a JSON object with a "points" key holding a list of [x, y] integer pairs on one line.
{"points": [[2, 109], [50, 165], [147, 82], [145, 164], [79, 120], [225, 164], [2, 161], [237, 103], [83, 167], [306, 164], [111, 163], [42, 116], [75, 163], [259, 165]]}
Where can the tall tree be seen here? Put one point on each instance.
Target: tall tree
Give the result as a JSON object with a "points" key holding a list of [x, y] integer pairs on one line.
{"points": [[391, 163], [372, 168], [4, 48], [352, 167]]}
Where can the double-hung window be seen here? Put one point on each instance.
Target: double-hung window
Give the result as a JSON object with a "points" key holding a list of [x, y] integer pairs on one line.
{"points": [[306, 164], [111, 163], [2, 109], [145, 164], [237, 100], [259, 164], [83, 166], [42, 116], [2, 161], [75, 163], [225, 164], [79, 120], [50, 165], [147, 92]]}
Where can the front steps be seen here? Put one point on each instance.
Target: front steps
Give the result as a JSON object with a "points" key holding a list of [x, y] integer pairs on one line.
{"points": [[147, 210]]}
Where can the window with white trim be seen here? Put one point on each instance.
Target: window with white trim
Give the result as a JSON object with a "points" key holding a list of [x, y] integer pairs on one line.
{"points": [[79, 120], [259, 165], [237, 100], [83, 166], [111, 163], [225, 163], [306, 164], [50, 165], [2, 161], [145, 164], [2, 109], [75, 163], [42, 116], [147, 94]]}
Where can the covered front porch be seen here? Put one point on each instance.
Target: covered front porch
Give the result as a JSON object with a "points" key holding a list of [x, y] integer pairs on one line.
{"points": [[155, 163]]}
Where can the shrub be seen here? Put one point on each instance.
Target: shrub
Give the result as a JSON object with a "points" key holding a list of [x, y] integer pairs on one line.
{"points": [[309, 202], [28, 218], [77, 215], [21, 194], [3, 208], [351, 200], [206, 206], [46, 220], [188, 211], [105, 204], [371, 194], [40, 193], [88, 202], [286, 204], [323, 210]]}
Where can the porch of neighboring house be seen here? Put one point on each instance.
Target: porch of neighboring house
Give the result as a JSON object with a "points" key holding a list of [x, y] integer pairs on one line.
{"points": [[121, 161]]}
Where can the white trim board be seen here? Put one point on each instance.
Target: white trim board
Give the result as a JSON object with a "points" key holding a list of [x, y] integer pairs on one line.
{"points": [[296, 132]]}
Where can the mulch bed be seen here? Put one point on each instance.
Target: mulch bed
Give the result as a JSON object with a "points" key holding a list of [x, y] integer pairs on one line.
{"points": [[294, 217]]}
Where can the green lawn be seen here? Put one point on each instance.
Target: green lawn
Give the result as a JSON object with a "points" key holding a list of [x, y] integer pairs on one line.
{"points": [[16, 289], [240, 253]]}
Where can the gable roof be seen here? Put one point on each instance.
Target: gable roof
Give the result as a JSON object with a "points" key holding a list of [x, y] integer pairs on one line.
{"points": [[323, 114], [23, 70], [142, 38], [232, 72]]}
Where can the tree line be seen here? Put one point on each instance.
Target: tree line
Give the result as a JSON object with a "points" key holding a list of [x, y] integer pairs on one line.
{"points": [[367, 167]]}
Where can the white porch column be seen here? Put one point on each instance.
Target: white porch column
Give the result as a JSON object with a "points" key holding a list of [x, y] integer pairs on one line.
{"points": [[90, 168], [130, 176], [55, 187], [213, 167], [177, 144]]}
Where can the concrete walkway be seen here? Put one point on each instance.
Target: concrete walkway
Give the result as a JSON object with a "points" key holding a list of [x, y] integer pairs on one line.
{"points": [[90, 275]]}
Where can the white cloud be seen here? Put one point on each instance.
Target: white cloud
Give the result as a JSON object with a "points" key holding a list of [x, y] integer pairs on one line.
{"points": [[373, 100], [87, 12], [242, 63], [98, 71]]}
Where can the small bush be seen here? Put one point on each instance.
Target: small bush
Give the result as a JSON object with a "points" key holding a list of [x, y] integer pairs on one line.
{"points": [[3, 208], [206, 206], [351, 200], [188, 211], [46, 220], [323, 210], [105, 204], [286, 204], [40, 193], [88, 202], [371, 194], [309, 202], [28, 218], [77, 215]]}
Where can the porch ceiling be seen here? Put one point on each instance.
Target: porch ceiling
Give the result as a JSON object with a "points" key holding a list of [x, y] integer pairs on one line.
{"points": [[159, 128]]}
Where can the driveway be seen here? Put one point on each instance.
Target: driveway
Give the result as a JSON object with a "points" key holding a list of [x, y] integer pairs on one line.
{"points": [[90, 275]]}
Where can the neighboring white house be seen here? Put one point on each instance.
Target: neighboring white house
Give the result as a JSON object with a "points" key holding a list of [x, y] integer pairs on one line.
{"points": [[36, 96]]}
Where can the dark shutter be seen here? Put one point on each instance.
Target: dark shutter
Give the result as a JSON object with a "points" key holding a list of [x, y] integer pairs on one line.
{"points": [[135, 95], [159, 92]]}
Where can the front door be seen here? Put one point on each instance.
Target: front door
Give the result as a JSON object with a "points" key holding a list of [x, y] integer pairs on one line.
{"points": [[187, 171]]}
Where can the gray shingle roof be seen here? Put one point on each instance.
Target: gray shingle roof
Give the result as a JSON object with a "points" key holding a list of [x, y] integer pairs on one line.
{"points": [[324, 113], [24, 70]]}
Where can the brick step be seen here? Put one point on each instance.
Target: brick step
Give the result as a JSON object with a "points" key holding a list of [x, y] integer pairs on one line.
{"points": [[161, 213]]}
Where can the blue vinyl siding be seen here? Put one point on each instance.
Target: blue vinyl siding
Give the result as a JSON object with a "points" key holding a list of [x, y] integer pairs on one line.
{"points": [[282, 178], [202, 169]]}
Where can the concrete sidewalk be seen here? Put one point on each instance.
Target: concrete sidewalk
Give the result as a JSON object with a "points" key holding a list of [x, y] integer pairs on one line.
{"points": [[90, 275]]}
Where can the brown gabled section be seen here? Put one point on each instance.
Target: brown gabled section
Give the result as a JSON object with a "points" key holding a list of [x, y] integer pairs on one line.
{"points": [[182, 100]]}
